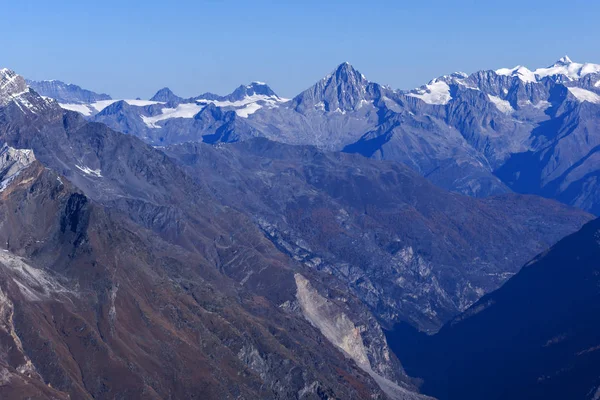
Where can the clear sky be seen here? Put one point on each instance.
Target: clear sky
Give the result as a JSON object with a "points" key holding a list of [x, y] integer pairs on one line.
{"points": [[133, 48]]}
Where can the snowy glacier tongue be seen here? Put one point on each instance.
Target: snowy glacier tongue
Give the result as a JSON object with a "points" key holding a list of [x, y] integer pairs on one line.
{"points": [[435, 92]]}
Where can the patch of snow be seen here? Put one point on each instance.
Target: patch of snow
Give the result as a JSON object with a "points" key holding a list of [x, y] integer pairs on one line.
{"points": [[184, 110], [542, 105], [88, 171], [320, 106], [255, 98], [520, 72], [102, 104], [96, 107], [585, 95], [435, 92], [248, 105], [500, 104], [466, 85], [247, 110], [80, 108]]}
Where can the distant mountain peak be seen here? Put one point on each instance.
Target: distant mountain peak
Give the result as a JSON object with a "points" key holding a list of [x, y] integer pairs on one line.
{"points": [[165, 95], [11, 85], [66, 93], [563, 61], [253, 89], [15, 90], [344, 89], [346, 72]]}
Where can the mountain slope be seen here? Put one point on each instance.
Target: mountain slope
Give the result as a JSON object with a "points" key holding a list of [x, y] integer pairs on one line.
{"points": [[408, 249], [534, 338]]}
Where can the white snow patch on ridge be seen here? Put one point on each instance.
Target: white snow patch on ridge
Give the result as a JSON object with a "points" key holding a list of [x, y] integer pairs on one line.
{"points": [[584, 95], [184, 110], [500, 104], [80, 108], [102, 104], [249, 104], [247, 110], [519, 71], [94, 108], [435, 92], [88, 171], [243, 108]]}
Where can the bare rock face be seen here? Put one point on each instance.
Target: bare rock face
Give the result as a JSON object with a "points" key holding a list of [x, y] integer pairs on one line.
{"points": [[12, 162], [341, 331]]}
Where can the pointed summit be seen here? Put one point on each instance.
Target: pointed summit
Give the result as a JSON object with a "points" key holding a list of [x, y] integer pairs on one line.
{"points": [[166, 95], [11, 85], [345, 72], [566, 69], [565, 60], [344, 89], [15, 91]]}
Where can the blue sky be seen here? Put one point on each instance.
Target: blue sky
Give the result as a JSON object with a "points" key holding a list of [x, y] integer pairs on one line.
{"points": [[133, 48]]}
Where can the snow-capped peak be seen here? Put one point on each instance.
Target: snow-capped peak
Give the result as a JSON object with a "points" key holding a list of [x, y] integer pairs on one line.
{"points": [[165, 95], [566, 67], [253, 89], [563, 61], [519, 71], [435, 92], [563, 67], [12, 86]]}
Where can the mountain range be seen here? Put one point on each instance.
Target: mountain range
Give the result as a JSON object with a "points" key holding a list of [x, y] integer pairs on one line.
{"points": [[251, 246], [486, 133]]}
